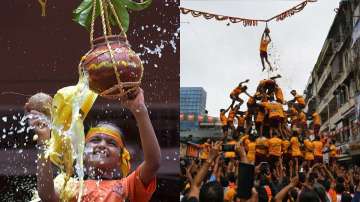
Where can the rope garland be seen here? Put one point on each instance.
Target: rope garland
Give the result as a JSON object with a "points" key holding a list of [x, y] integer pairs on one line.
{"points": [[246, 21]]}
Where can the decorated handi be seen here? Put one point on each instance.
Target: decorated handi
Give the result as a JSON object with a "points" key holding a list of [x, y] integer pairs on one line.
{"points": [[114, 69]]}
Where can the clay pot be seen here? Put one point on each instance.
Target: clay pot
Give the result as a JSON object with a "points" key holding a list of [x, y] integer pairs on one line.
{"points": [[100, 67]]}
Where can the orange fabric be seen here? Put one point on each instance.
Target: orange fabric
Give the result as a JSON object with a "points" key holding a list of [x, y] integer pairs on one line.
{"points": [[237, 91], [332, 194], [268, 192], [241, 121], [302, 117], [279, 95], [262, 145], [316, 118], [318, 146], [230, 154], [299, 99], [275, 146], [205, 150], [230, 192], [309, 147], [106, 131], [295, 147], [332, 150], [251, 151], [192, 151], [285, 144], [260, 116], [293, 114], [275, 109], [231, 115], [264, 45], [223, 119], [251, 101], [130, 188]]}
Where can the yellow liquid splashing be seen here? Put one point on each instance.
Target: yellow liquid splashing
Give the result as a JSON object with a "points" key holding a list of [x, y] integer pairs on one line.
{"points": [[70, 107]]}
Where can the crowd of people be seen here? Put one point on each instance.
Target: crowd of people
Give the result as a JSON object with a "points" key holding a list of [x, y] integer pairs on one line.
{"points": [[268, 153]]}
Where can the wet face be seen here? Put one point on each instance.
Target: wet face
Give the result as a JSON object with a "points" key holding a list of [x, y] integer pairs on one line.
{"points": [[102, 152]]}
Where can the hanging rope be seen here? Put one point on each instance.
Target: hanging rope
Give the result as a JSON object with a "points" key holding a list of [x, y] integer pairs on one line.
{"points": [[43, 7], [247, 22]]}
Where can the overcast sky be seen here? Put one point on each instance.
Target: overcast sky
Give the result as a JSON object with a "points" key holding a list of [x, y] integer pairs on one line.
{"points": [[217, 57]]}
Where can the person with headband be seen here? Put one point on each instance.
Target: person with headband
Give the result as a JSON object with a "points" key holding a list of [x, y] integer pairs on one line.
{"points": [[108, 176]]}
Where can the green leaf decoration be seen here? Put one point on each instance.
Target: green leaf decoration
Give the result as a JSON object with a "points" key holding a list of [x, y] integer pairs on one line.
{"points": [[122, 13], [83, 13], [134, 5]]}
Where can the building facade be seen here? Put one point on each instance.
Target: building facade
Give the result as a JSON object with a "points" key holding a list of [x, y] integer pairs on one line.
{"points": [[192, 100], [192, 103], [334, 83]]}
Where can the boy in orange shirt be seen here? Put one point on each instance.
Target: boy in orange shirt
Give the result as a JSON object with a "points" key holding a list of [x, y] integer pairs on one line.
{"points": [[318, 150], [224, 121], [316, 121], [231, 116], [265, 40], [106, 161], [274, 150], [295, 146], [299, 101], [309, 151], [236, 92]]}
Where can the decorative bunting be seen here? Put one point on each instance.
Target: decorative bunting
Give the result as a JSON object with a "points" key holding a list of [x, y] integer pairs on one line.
{"points": [[247, 22]]}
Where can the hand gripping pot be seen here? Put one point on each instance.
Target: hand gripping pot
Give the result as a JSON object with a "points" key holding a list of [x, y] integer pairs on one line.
{"points": [[116, 73]]}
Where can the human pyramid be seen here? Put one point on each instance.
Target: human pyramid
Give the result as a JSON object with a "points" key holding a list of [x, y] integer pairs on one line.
{"points": [[270, 132]]}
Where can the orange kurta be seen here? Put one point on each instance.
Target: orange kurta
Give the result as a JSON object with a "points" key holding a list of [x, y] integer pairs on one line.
{"points": [[129, 187], [295, 147], [318, 147], [275, 146], [309, 148]]}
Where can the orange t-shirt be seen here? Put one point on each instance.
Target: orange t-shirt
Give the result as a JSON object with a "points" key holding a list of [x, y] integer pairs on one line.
{"points": [[264, 44], [316, 119], [237, 91], [275, 146], [309, 147], [262, 145], [231, 115], [299, 99], [318, 146], [251, 146], [279, 95], [285, 146], [241, 121], [251, 101], [302, 117], [129, 187], [295, 147], [230, 154], [223, 119], [205, 149], [332, 150], [275, 110], [260, 116]]}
